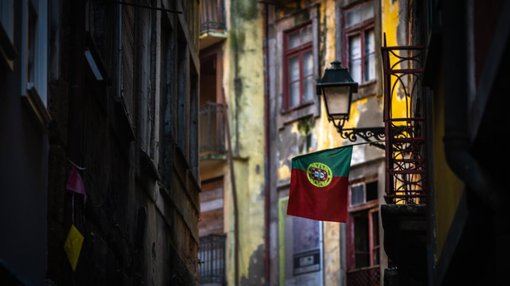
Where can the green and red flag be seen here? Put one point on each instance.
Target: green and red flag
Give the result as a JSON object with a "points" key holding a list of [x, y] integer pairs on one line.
{"points": [[319, 184]]}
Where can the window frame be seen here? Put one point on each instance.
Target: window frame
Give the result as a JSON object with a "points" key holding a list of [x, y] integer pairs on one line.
{"points": [[298, 51], [361, 30], [368, 207], [7, 20], [35, 90]]}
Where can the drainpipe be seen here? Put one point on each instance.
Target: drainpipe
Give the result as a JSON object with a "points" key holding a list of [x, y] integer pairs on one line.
{"points": [[456, 74], [267, 172], [237, 80], [237, 94], [234, 198]]}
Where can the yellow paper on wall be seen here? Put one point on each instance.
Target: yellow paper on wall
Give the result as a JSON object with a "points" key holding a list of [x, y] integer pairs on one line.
{"points": [[72, 246]]}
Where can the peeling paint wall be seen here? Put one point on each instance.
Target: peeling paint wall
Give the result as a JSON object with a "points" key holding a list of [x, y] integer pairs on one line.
{"points": [[244, 91]]}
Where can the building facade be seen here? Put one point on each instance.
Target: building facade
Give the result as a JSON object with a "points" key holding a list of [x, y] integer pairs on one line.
{"points": [[232, 144], [110, 91], [304, 37], [430, 72]]}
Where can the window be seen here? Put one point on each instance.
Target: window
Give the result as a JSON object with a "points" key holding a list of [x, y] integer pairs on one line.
{"points": [[7, 18], [211, 258], [7, 31], [366, 238], [363, 235], [34, 48], [298, 67], [360, 40]]}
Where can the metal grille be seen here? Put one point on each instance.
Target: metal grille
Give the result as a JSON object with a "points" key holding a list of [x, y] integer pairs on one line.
{"points": [[404, 127], [212, 16], [211, 255], [364, 277], [212, 129]]}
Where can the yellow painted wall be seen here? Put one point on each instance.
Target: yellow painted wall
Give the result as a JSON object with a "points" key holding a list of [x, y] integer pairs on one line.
{"points": [[246, 32], [447, 187], [327, 137], [390, 11]]}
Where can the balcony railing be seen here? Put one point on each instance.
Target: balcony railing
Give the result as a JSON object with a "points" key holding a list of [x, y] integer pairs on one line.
{"points": [[212, 131], [212, 16], [369, 276], [211, 255], [405, 130]]}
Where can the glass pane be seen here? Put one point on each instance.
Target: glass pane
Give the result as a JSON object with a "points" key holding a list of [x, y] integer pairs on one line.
{"points": [[357, 194], [352, 17], [337, 99], [375, 237], [355, 58], [371, 191], [370, 55], [367, 12], [294, 40], [293, 69], [306, 34], [361, 241], [299, 37], [294, 94], [359, 15], [308, 64], [6, 18], [375, 228], [309, 88]]}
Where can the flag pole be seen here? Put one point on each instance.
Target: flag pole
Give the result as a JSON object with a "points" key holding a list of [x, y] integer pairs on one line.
{"points": [[366, 142]]}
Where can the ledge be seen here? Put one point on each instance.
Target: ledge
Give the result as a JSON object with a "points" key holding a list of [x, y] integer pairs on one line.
{"points": [[405, 240], [36, 106]]}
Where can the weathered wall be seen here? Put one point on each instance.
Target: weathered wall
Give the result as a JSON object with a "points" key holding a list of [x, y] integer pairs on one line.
{"points": [[327, 137], [23, 182], [140, 219], [244, 90]]}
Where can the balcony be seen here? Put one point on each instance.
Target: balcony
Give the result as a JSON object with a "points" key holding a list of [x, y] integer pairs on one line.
{"points": [[212, 132], [212, 22], [367, 276], [211, 255], [404, 217]]}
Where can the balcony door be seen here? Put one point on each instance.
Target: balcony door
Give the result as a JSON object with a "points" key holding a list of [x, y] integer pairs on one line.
{"points": [[212, 107]]}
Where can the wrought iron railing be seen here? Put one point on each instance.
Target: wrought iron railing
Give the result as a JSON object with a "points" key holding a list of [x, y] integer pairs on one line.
{"points": [[212, 16], [404, 125], [211, 255], [368, 276], [212, 130]]}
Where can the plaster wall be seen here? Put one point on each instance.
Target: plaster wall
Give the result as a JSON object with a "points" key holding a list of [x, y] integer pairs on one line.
{"points": [[243, 84]]}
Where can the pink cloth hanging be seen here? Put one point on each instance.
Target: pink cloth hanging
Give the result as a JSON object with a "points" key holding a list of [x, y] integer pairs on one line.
{"points": [[75, 182]]}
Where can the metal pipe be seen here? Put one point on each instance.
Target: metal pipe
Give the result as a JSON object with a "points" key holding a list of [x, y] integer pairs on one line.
{"points": [[267, 163], [234, 202], [237, 93]]}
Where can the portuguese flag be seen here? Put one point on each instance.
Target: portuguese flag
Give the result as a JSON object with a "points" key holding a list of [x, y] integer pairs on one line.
{"points": [[319, 183]]}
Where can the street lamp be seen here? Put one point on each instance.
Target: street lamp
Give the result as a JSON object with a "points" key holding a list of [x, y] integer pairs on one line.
{"points": [[337, 88]]}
